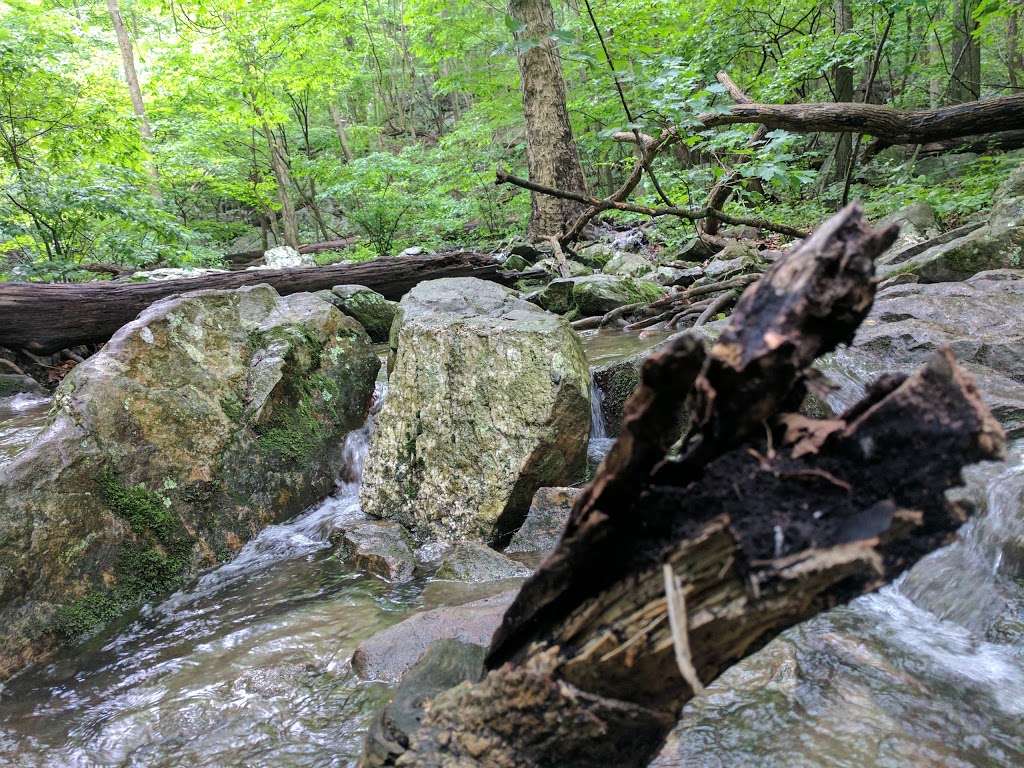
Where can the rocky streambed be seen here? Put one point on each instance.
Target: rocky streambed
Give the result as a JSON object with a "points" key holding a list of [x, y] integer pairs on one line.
{"points": [[283, 654]]}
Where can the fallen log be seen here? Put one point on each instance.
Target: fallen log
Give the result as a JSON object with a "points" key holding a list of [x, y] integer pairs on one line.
{"points": [[896, 126], [671, 569], [46, 317], [1003, 141]]}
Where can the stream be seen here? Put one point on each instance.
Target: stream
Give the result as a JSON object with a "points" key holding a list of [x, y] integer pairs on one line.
{"points": [[249, 666]]}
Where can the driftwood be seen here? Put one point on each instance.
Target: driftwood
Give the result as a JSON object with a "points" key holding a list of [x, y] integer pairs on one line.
{"points": [[46, 317], [671, 569]]}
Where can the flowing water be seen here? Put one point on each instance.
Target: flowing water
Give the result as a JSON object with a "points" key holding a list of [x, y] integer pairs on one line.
{"points": [[249, 666]]}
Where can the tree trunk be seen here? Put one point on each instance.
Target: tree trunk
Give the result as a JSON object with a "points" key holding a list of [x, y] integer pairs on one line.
{"points": [[965, 84], [46, 317], [1014, 56], [135, 90], [279, 164], [670, 570], [550, 149], [936, 84], [843, 76], [342, 130]]}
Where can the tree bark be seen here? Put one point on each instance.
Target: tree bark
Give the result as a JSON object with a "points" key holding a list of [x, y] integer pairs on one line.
{"points": [[551, 154], [965, 82], [843, 76], [670, 570], [135, 91], [1014, 56], [46, 317]]}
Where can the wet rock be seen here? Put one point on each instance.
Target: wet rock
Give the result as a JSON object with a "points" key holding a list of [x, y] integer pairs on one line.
{"points": [[17, 384], [998, 244], [445, 664], [549, 512], [388, 654], [211, 415], [555, 297], [369, 308], [598, 294], [488, 401], [286, 257], [474, 562], [617, 380], [377, 547], [625, 264]]}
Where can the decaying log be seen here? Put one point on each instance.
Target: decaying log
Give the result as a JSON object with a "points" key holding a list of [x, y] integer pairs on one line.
{"points": [[46, 317], [672, 568]]}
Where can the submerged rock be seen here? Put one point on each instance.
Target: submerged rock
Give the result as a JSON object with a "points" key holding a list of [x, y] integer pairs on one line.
{"points": [[211, 415], [388, 654], [445, 664], [474, 562], [378, 547], [549, 512], [488, 401]]}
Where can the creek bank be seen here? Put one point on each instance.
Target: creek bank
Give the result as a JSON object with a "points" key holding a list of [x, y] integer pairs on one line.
{"points": [[209, 416]]}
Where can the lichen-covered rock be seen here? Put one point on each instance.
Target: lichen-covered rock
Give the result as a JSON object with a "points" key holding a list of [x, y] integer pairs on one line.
{"points": [[628, 265], [595, 255], [209, 416], [998, 244], [475, 562], [598, 294], [549, 512], [489, 399], [735, 259], [515, 263], [369, 308], [553, 267], [377, 547]]}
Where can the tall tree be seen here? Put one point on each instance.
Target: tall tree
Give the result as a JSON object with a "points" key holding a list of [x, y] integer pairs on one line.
{"points": [[965, 83], [551, 154], [134, 89]]}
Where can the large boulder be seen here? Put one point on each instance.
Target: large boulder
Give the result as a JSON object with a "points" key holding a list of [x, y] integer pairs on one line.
{"points": [[209, 416], [998, 244], [489, 399], [286, 257]]}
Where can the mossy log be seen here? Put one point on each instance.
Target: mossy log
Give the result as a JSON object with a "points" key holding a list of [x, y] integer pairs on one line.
{"points": [[673, 567], [46, 317]]}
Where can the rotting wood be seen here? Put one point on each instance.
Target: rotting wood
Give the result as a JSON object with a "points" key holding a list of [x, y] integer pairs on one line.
{"points": [[764, 519]]}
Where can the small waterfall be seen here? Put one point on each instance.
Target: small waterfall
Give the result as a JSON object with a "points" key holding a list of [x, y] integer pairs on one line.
{"points": [[302, 535], [598, 430]]}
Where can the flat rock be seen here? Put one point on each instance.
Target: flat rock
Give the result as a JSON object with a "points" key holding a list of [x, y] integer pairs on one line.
{"points": [[387, 655]]}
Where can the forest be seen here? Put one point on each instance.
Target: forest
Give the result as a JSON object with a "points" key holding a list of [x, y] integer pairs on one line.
{"points": [[533, 384]]}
